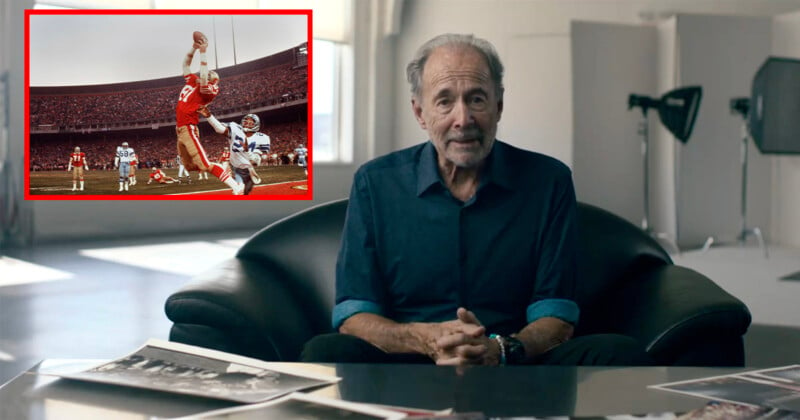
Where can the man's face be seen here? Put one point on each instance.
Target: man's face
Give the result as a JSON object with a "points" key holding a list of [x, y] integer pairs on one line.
{"points": [[248, 123], [458, 106]]}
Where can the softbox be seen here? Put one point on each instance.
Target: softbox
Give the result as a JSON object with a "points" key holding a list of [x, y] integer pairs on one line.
{"points": [[775, 106], [676, 108]]}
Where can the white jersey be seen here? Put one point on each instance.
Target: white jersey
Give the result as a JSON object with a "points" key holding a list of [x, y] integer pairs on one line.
{"points": [[125, 155], [259, 142], [240, 146], [302, 153]]}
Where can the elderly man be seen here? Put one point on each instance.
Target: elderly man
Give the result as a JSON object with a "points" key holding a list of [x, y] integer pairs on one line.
{"points": [[461, 250]]}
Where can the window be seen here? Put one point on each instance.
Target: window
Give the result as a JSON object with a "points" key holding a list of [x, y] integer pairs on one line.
{"points": [[330, 110]]}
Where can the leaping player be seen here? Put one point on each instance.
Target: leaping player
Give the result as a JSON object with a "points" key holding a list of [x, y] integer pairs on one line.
{"points": [[198, 91], [77, 161], [241, 159]]}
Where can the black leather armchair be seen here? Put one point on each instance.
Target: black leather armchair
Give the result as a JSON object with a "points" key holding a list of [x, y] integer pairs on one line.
{"points": [[278, 292]]}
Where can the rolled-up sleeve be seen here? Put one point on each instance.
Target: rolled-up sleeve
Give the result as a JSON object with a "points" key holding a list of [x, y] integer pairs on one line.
{"points": [[554, 291], [358, 281]]}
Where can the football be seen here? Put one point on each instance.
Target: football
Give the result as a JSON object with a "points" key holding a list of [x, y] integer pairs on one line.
{"points": [[198, 37]]}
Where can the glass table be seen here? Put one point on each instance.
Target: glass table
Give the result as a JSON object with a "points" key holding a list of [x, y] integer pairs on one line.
{"points": [[507, 391]]}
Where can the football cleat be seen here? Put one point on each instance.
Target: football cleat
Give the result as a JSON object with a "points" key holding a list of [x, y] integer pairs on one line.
{"points": [[238, 189], [254, 176]]}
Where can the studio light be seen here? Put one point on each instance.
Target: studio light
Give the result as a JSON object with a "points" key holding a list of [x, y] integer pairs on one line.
{"points": [[677, 110]]}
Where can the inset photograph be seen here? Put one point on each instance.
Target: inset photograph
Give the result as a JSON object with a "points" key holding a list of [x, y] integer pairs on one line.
{"points": [[168, 105]]}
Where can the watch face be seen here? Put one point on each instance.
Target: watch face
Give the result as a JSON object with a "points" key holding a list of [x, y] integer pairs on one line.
{"points": [[515, 351]]}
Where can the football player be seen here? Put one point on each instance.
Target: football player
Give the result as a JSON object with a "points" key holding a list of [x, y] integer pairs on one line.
{"points": [[77, 161], [132, 176], [198, 92], [122, 160], [239, 147], [159, 176], [302, 157], [182, 169], [225, 159], [259, 142]]}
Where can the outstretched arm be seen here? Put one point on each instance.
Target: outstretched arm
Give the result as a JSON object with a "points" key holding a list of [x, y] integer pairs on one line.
{"points": [[187, 61], [203, 64], [218, 126]]}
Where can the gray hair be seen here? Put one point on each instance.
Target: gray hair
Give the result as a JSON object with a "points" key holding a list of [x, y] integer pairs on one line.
{"points": [[484, 47]]}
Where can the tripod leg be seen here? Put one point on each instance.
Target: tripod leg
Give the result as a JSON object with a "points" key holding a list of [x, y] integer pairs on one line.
{"points": [[707, 244], [760, 238]]}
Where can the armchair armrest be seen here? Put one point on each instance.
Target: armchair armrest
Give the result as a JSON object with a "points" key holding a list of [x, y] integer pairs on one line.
{"points": [[243, 307], [681, 317]]}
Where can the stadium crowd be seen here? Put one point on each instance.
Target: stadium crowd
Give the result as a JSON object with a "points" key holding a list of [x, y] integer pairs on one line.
{"points": [[158, 149], [270, 86]]}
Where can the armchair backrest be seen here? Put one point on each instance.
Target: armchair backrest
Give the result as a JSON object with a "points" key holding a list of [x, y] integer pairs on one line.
{"points": [[611, 252], [303, 248]]}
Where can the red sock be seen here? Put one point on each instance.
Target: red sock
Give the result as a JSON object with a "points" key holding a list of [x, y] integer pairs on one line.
{"points": [[218, 172]]}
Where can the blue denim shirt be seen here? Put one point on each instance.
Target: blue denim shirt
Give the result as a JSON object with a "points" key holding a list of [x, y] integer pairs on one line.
{"points": [[414, 253]]}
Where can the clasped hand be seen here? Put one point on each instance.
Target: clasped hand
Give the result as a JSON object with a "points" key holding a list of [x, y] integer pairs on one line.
{"points": [[462, 341]]}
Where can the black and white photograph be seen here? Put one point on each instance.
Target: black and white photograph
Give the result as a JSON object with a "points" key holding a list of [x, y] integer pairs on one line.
{"points": [[182, 369], [741, 388]]}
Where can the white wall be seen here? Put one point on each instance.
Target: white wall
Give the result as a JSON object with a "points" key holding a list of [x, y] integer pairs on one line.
{"points": [[721, 54], [786, 173], [611, 61]]}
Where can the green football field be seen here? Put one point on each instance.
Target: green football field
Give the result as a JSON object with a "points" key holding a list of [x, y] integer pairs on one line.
{"points": [[98, 182]]}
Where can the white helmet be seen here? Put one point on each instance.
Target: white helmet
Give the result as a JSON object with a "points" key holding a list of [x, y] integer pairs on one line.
{"points": [[256, 123], [77, 149], [124, 144]]}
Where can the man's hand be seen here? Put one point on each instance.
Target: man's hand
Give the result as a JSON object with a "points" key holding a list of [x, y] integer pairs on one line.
{"points": [[467, 343], [202, 46], [204, 111]]}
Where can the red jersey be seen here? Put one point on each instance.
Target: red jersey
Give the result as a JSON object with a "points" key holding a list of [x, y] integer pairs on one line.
{"points": [[133, 160], [77, 159], [157, 175], [192, 97], [225, 156]]}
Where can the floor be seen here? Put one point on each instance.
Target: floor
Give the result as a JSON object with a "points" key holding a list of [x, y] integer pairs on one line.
{"points": [[104, 299]]}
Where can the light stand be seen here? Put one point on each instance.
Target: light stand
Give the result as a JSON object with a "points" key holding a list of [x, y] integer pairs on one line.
{"points": [[741, 107], [677, 110]]}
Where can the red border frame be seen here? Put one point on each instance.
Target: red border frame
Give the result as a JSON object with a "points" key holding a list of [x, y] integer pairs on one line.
{"points": [[309, 109]]}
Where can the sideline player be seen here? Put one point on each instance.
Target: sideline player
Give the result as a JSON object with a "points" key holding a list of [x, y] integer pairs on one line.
{"points": [[241, 159], [302, 157], [134, 164], [225, 158], [197, 92], [160, 177], [123, 161], [182, 169], [77, 161]]}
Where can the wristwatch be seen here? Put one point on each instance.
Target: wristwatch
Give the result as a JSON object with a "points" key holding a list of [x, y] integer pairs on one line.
{"points": [[515, 351]]}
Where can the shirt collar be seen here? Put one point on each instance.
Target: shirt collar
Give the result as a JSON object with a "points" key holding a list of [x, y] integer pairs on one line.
{"points": [[497, 171]]}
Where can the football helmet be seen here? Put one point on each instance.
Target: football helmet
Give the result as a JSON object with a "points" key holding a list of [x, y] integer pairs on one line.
{"points": [[77, 149], [124, 144], [255, 126], [213, 77]]}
